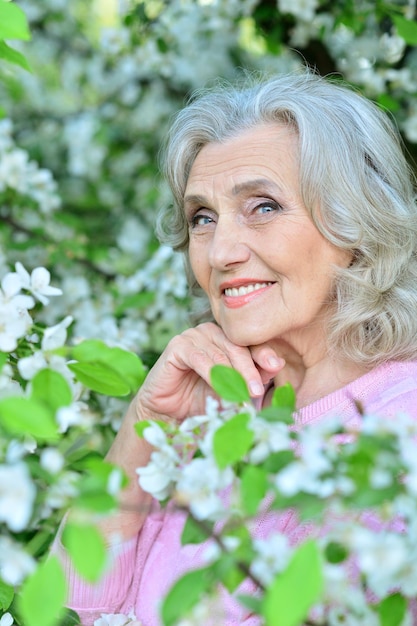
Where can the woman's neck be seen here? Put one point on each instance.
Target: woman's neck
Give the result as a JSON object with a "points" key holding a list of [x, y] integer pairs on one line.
{"points": [[315, 378]]}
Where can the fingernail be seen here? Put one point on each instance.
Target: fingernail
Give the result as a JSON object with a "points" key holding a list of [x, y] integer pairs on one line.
{"points": [[256, 388], [275, 361]]}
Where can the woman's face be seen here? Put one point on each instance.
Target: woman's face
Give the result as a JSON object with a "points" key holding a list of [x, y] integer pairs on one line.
{"points": [[254, 249]]}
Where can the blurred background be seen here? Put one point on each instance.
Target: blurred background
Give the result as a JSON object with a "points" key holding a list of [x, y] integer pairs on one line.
{"points": [[80, 132]]}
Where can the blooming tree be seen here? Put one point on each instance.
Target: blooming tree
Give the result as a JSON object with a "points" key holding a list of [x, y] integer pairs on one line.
{"points": [[88, 299], [353, 487]]}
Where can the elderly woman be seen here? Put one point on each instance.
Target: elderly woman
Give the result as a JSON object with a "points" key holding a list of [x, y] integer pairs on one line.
{"points": [[295, 210]]}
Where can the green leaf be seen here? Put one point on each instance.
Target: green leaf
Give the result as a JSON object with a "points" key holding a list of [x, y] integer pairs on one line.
{"points": [[6, 595], [277, 414], [252, 603], [43, 594], [13, 22], [140, 427], [87, 549], [367, 497], [253, 486], [287, 601], [51, 388], [392, 609], [407, 29], [93, 488], [278, 460], [336, 552], [70, 618], [98, 502], [226, 568], [284, 397], [229, 384], [100, 378], [13, 56], [228, 573], [3, 359], [193, 533], [185, 594], [232, 440], [127, 365], [26, 416]]}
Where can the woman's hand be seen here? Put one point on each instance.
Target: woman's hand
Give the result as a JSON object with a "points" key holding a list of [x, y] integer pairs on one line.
{"points": [[179, 383], [177, 387]]}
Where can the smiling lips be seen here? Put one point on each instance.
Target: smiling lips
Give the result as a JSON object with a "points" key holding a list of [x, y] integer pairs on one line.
{"points": [[240, 295], [244, 289]]}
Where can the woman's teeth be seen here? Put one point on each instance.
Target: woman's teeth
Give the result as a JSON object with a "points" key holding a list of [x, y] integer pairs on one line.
{"points": [[242, 291]]}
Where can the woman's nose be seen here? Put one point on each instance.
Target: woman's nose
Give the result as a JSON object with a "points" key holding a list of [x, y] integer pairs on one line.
{"points": [[229, 245]]}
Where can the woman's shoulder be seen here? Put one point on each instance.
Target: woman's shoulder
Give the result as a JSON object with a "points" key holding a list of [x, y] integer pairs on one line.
{"points": [[389, 389]]}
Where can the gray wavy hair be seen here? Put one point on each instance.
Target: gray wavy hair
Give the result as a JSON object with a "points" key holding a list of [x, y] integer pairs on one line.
{"points": [[355, 181]]}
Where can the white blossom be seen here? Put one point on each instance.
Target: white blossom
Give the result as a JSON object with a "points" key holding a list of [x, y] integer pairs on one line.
{"points": [[156, 436], [272, 556], [208, 611], [113, 40], [11, 330], [62, 491], [117, 619], [199, 486], [37, 283], [29, 366], [9, 386], [55, 336], [76, 414], [159, 475], [85, 154], [133, 237], [17, 496], [16, 449], [302, 9], [114, 483], [13, 170], [410, 127], [43, 189], [344, 616], [191, 423], [11, 285], [374, 548], [15, 320], [392, 47], [6, 620], [268, 437], [112, 411], [15, 563], [52, 460], [402, 78]]}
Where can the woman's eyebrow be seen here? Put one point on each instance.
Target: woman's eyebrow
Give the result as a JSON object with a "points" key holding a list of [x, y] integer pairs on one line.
{"points": [[247, 186], [254, 185], [194, 200]]}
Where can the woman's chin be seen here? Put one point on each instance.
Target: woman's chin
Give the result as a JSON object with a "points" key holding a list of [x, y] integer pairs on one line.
{"points": [[245, 337]]}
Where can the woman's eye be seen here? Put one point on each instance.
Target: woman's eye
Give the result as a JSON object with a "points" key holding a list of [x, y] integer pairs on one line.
{"points": [[200, 219], [267, 207]]}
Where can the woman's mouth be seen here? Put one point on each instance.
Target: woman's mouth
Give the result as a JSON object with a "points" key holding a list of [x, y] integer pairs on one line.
{"points": [[243, 290], [237, 296]]}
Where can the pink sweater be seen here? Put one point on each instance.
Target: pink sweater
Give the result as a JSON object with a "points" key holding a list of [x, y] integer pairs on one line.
{"points": [[144, 568]]}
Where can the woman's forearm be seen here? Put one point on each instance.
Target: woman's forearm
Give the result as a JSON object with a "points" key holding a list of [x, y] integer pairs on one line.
{"points": [[128, 451]]}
